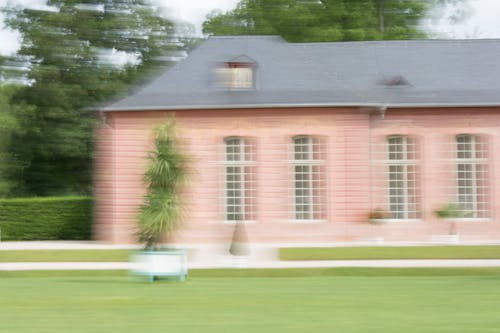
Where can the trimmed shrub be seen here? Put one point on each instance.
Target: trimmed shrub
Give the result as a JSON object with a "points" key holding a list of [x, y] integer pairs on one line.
{"points": [[51, 218]]}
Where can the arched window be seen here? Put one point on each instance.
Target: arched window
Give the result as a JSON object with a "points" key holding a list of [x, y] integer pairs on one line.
{"points": [[309, 178], [239, 179], [403, 177], [472, 184]]}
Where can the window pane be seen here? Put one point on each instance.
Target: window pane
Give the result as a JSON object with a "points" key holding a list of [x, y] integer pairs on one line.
{"points": [[309, 178], [242, 77], [239, 179], [403, 179], [472, 175]]}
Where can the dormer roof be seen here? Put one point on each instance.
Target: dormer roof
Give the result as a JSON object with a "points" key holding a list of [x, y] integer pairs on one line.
{"points": [[242, 59]]}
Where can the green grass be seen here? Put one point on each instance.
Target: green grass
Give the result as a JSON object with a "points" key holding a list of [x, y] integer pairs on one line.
{"points": [[64, 255], [400, 252], [281, 272], [332, 253], [83, 302]]}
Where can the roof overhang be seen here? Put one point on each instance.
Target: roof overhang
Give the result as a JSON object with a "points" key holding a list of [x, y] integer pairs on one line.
{"points": [[376, 106]]}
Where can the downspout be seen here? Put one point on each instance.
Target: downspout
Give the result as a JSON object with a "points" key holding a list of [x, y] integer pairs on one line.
{"points": [[382, 109]]}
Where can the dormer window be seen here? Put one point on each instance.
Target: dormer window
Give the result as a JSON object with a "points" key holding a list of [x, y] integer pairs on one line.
{"points": [[237, 74]]}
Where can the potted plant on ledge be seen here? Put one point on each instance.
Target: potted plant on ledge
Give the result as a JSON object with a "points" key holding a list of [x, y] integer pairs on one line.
{"points": [[379, 215], [451, 212], [160, 213]]}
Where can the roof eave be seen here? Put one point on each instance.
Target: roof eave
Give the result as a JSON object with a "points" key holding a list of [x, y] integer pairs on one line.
{"points": [[301, 105]]}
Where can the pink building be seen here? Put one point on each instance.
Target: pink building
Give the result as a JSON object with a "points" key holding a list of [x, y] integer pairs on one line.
{"points": [[306, 142]]}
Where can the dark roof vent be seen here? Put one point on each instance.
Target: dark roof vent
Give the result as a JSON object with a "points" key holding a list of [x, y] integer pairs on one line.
{"points": [[395, 81]]}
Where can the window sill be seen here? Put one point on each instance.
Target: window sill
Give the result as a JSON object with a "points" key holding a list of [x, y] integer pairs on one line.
{"points": [[309, 221], [376, 221], [236, 222], [467, 219]]}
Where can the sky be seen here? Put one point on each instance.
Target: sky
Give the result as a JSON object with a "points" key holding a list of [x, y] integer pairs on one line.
{"points": [[482, 22]]}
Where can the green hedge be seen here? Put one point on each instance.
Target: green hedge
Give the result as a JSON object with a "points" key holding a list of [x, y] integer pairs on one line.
{"points": [[52, 218]]}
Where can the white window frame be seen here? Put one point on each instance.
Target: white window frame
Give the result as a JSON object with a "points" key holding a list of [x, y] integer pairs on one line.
{"points": [[242, 163], [235, 77], [409, 194], [470, 209], [316, 207]]}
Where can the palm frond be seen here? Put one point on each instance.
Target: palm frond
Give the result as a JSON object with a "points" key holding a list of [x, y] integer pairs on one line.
{"points": [[161, 211]]}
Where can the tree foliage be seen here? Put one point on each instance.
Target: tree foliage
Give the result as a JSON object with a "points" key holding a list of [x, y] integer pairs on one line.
{"points": [[160, 212], [12, 117], [325, 20], [72, 53]]}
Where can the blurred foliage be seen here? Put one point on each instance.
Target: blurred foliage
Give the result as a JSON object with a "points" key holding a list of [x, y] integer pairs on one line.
{"points": [[14, 70], [57, 218], [78, 54], [12, 119], [326, 20]]}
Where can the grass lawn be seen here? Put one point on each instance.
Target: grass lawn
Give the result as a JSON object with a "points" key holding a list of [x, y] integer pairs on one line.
{"points": [[397, 252], [64, 255], [98, 302], [332, 253]]}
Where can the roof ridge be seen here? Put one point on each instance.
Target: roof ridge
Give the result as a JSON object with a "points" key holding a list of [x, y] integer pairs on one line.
{"points": [[403, 41], [247, 37]]}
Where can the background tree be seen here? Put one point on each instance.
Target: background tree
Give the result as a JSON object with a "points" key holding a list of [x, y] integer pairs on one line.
{"points": [[73, 57], [11, 117], [326, 20]]}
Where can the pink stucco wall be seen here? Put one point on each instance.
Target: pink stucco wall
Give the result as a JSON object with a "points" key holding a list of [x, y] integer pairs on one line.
{"points": [[354, 141]]}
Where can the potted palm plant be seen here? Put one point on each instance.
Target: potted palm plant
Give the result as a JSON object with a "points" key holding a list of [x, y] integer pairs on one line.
{"points": [[160, 213]]}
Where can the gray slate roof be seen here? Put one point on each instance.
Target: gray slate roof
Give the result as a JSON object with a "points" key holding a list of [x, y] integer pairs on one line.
{"points": [[438, 73]]}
